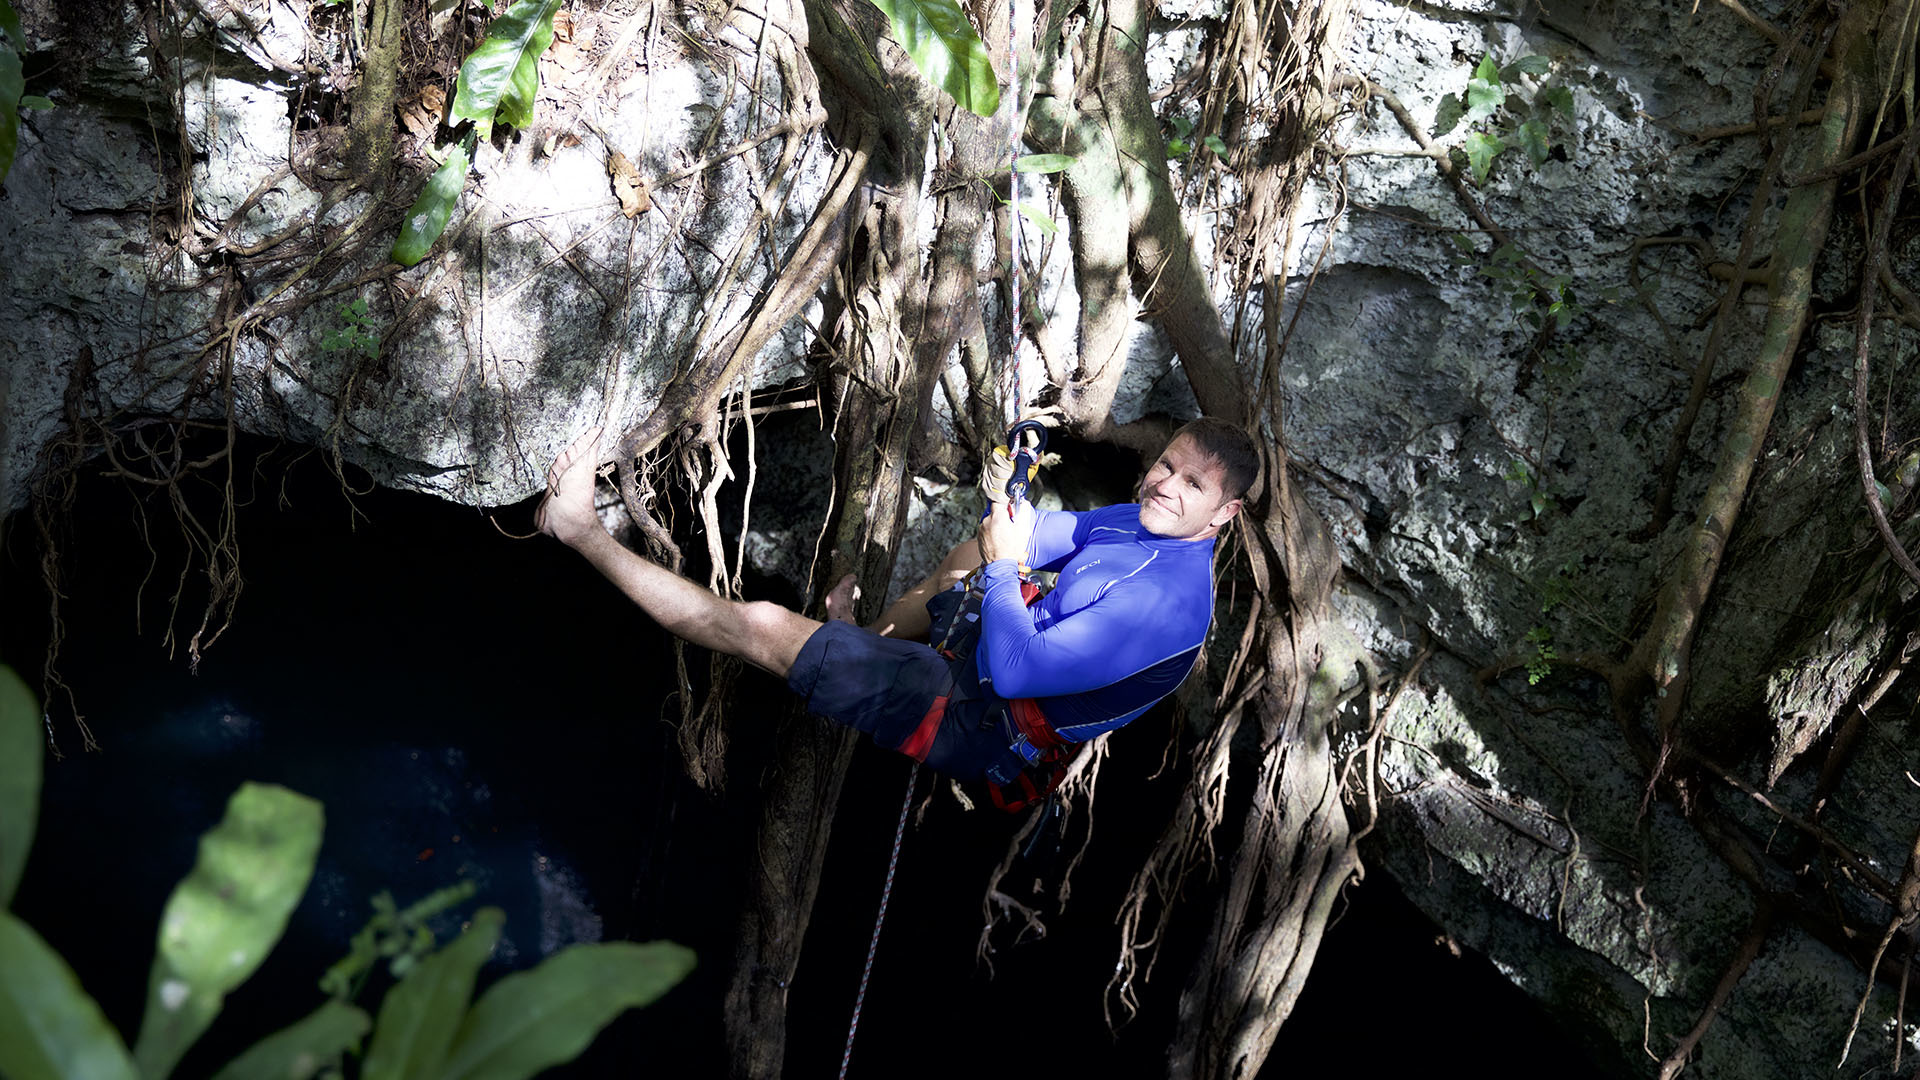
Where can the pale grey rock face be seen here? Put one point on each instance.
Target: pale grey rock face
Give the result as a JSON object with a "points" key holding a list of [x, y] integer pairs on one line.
{"points": [[528, 325], [1424, 436]]}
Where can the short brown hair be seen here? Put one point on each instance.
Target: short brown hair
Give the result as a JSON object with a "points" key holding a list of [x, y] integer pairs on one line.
{"points": [[1228, 444]]}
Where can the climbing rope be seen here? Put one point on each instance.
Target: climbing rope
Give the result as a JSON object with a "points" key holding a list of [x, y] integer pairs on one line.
{"points": [[1012, 398], [886, 893]]}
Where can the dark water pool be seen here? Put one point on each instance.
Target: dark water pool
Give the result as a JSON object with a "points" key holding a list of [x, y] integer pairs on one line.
{"points": [[471, 707]]}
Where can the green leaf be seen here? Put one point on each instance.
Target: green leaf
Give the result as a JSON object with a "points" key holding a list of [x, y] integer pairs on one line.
{"points": [[516, 105], [225, 916], [1526, 65], [302, 1048], [1533, 139], [1043, 163], [1559, 99], [1040, 221], [427, 218], [423, 1011], [10, 22], [1216, 144], [35, 102], [1446, 116], [1486, 70], [12, 85], [490, 73], [1483, 99], [537, 1019], [1481, 149], [49, 1028], [1177, 148], [936, 34], [21, 754], [1886, 496]]}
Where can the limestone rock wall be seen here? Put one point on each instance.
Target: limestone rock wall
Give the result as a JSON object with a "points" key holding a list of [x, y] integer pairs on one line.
{"points": [[1490, 501], [547, 310]]}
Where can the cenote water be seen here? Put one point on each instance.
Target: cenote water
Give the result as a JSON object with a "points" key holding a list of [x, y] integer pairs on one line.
{"points": [[474, 707]]}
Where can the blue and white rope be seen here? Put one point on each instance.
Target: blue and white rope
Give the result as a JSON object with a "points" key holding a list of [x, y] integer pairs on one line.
{"points": [[873, 946]]}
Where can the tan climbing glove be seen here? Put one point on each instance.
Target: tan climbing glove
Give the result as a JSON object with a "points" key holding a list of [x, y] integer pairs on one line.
{"points": [[997, 471]]}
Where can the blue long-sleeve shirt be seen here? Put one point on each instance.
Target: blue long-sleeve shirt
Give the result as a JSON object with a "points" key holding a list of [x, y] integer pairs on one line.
{"points": [[1120, 630]]}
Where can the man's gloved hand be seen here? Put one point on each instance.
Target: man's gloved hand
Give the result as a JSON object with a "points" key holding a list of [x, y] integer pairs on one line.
{"points": [[1007, 536]]}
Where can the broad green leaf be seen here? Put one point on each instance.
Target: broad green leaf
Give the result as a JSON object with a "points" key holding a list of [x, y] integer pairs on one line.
{"points": [[516, 105], [1040, 221], [1558, 98], [10, 22], [225, 916], [488, 75], [1177, 148], [302, 1048], [937, 35], [12, 85], [1526, 65], [21, 754], [35, 102], [427, 218], [1216, 144], [1481, 149], [49, 1028], [1446, 115], [1483, 99], [1486, 70], [1043, 163], [422, 1012], [1533, 139], [538, 1019]]}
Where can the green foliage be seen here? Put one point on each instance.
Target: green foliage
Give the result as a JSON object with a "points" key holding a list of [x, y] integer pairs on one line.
{"points": [[49, 1028], [536, 1019], [501, 77], [303, 1048], [401, 936], [1539, 501], [420, 1016], [1541, 655], [943, 45], [498, 83], [428, 216], [355, 334], [1043, 163], [226, 915], [21, 755], [1502, 115], [13, 85], [1178, 146]]}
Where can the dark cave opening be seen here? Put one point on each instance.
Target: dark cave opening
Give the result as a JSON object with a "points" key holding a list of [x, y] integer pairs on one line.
{"points": [[470, 706]]}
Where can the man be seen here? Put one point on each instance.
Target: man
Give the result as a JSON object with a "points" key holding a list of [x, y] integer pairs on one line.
{"points": [[1119, 631]]}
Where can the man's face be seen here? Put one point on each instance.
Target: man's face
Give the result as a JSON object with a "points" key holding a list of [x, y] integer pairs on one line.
{"points": [[1183, 497]]}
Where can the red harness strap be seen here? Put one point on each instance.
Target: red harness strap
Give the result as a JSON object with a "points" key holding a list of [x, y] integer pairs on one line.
{"points": [[917, 744]]}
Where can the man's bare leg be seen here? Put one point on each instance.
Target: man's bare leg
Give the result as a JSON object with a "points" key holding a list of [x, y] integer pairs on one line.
{"points": [[907, 617], [765, 635]]}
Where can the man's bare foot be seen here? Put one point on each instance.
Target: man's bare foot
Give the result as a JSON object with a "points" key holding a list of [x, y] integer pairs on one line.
{"points": [[840, 600], [567, 514]]}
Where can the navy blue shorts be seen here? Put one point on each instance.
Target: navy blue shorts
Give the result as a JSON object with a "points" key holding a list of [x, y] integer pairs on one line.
{"points": [[887, 688]]}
